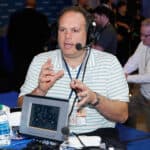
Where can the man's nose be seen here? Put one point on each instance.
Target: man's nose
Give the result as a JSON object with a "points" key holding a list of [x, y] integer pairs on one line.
{"points": [[68, 34]]}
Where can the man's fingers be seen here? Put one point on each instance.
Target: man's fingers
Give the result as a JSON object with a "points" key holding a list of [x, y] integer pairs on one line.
{"points": [[59, 74], [83, 94], [77, 85], [82, 102], [47, 65]]}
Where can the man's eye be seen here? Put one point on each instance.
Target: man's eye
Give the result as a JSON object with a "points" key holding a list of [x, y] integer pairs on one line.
{"points": [[75, 30], [61, 29]]}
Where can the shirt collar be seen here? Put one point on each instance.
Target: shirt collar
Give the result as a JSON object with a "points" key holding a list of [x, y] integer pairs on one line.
{"points": [[58, 62]]}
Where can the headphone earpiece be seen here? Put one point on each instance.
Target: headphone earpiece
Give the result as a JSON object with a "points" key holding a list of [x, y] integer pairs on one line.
{"points": [[91, 32]]}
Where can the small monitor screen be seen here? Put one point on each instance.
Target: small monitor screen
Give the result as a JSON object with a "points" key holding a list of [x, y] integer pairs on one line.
{"points": [[43, 116]]}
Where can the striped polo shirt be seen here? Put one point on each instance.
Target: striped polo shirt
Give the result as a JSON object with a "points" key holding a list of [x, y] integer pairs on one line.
{"points": [[103, 75]]}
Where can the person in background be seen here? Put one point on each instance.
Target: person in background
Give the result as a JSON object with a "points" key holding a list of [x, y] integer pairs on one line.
{"points": [[107, 3], [105, 34], [136, 25], [93, 3], [84, 4], [93, 81], [123, 20], [28, 33], [140, 61], [123, 26]]}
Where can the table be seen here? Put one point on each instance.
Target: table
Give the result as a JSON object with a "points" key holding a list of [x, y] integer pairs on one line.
{"points": [[136, 140], [17, 144]]}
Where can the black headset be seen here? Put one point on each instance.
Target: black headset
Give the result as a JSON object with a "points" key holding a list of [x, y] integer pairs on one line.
{"points": [[91, 32]]}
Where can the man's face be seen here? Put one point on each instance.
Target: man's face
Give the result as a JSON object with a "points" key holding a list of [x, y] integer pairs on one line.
{"points": [[71, 30], [123, 9], [145, 35], [98, 19]]}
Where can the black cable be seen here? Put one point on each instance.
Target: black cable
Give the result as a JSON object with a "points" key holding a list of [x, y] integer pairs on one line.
{"points": [[72, 108], [77, 136], [85, 67]]}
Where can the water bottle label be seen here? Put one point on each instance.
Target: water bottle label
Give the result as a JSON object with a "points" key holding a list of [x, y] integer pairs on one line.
{"points": [[4, 128]]}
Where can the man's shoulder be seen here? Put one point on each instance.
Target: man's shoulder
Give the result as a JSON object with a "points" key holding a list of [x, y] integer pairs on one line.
{"points": [[140, 47], [47, 54], [28, 11], [106, 34], [41, 58], [18, 14], [102, 55], [104, 61], [110, 29], [141, 44], [40, 14]]}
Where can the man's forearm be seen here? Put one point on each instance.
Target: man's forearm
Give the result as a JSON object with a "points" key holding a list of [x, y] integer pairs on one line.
{"points": [[113, 109], [36, 91], [137, 78]]}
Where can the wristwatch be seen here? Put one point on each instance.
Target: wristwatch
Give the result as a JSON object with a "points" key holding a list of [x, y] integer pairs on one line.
{"points": [[97, 100]]}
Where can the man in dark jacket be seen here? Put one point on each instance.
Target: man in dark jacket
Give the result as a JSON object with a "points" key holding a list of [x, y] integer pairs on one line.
{"points": [[28, 33], [105, 34]]}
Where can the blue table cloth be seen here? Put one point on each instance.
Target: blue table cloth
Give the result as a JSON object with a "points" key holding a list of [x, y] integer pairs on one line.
{"points": [[135, 139]]}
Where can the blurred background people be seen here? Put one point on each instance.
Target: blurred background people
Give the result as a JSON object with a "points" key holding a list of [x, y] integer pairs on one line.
{"points": [[84, 4], [107, 3], [123, 25], [93, 3], [106, 36], [90, 3], [140, 61], [28, 33], [136, 24]]}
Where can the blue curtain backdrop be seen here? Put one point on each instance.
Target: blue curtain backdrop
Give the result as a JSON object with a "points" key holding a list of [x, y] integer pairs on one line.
{"points": [[146, 8], [50, 7]]}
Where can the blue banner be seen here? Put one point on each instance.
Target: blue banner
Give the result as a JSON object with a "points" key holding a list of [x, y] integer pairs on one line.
{"points": [[50, 8]]}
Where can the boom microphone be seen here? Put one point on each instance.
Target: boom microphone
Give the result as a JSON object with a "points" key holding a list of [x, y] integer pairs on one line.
{"points": [[80, 47], [65, 131]]}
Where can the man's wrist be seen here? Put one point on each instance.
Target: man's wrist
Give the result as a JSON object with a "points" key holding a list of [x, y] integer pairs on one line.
{"points": [[96, 101], [39, 91]]}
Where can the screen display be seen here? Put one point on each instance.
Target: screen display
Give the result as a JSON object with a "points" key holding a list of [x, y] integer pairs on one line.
{"points": [[43, 116]]}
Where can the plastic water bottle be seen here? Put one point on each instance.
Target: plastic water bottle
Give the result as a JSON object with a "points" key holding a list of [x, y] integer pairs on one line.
{"points": [[4, 128]]}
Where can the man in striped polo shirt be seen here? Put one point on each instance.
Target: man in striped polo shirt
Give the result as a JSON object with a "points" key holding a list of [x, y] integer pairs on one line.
{"points": [[93, 82]]}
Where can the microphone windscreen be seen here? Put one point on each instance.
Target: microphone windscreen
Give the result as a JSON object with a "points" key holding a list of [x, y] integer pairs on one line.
{"points": [[65, 131], [79, 46]]}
